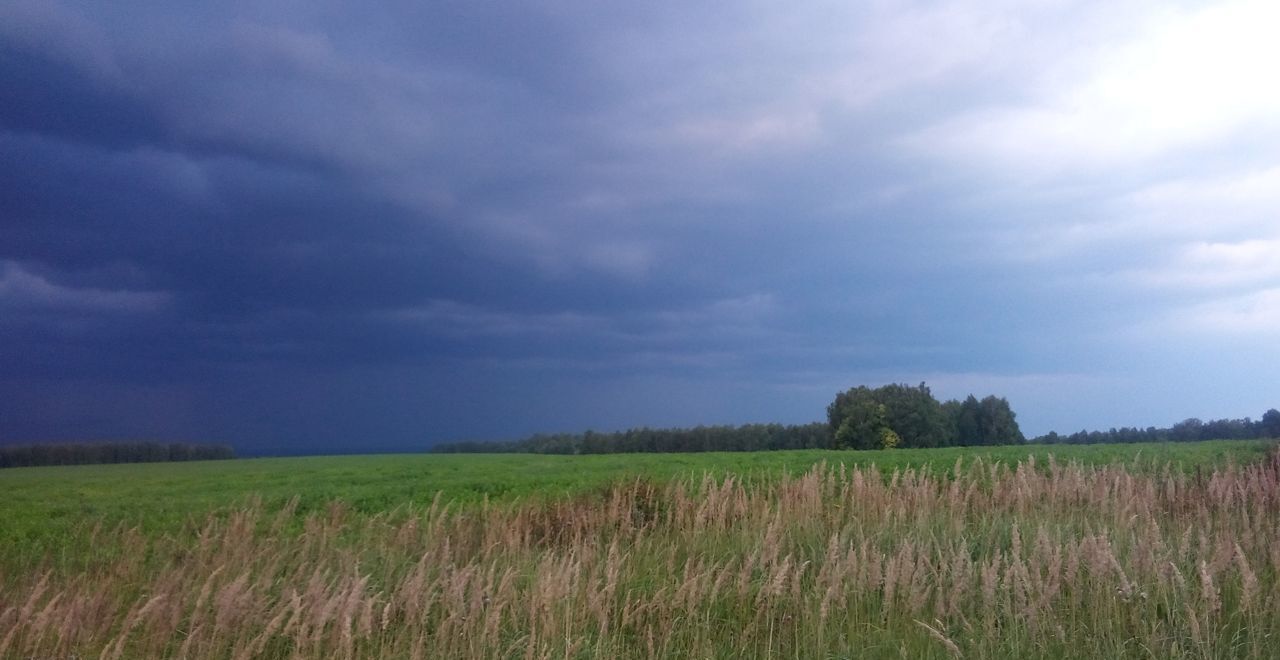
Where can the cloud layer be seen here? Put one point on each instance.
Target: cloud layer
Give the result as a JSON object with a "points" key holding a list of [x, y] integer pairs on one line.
{"points": [[338, 227]]}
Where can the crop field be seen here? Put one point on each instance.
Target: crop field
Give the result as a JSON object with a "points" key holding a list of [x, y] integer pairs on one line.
{"points": [[1143, 551]]}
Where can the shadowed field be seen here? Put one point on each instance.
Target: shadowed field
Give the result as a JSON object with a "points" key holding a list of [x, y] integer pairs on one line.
{"points": [[1167, 555]]}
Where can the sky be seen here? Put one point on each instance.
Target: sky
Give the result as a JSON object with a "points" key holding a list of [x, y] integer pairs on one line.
{"points": [[320, 226]]}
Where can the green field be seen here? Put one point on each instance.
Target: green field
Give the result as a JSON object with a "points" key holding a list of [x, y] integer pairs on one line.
{"points": [[1133, 551], [42, 505]]}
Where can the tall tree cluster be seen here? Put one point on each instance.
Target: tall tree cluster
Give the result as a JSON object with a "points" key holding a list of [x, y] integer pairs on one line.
{"points": [[899, 415]]}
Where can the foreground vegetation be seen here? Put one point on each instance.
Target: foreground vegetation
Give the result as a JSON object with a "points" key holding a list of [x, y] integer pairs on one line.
{"points": [[43, 507], [984, 558]]}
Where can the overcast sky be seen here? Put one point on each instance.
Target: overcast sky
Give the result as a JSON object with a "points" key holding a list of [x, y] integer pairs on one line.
{"points": [[308, 226]]}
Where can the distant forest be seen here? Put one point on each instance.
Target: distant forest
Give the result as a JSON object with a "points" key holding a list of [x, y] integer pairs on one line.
{"points": [[860, 418], [864, 418], [1187, 430], [748, 437], [85, 453]]}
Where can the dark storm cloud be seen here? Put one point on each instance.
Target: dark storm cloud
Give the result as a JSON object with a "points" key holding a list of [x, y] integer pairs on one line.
{"points": [[328, 226]]}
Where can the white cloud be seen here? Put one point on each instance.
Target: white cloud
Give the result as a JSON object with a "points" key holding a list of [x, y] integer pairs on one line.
{"points": [[22, 290], [1237, 205], [772, 75], [278, 48], [561, 246], [739, 312], [59, 32], [727, 315], [295, 91], [453, 318], [1173, 224], [1256, 314], [896, 48], [621, 258], [1212, 266], [1198, 236], [1246, 189], [731, 136], [1186, 80]]}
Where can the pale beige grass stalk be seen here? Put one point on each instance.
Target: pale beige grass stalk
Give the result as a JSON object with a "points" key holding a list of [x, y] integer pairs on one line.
{"points": [[1031, 560]]}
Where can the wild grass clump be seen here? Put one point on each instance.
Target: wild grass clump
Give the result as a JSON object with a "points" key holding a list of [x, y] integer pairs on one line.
{"points": [[982, 561]]}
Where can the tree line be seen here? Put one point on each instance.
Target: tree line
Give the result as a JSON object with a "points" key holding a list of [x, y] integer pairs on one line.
{"points": [[1188, 430], [84, 453], [747, 437], [860, 418]]}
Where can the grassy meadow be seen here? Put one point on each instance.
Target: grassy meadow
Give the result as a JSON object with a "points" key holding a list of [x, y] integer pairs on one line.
{"points": [[1102, 551]]}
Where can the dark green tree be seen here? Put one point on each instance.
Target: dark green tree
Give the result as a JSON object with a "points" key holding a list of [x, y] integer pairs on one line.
{"points": [[860, 416], [967, 422], [997, 423], [1270, 424], [857, 419], [915, 415], [1187, 430]]}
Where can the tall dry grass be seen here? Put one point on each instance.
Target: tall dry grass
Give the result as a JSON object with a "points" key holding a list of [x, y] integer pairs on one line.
{"points": [[984, 561]]}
